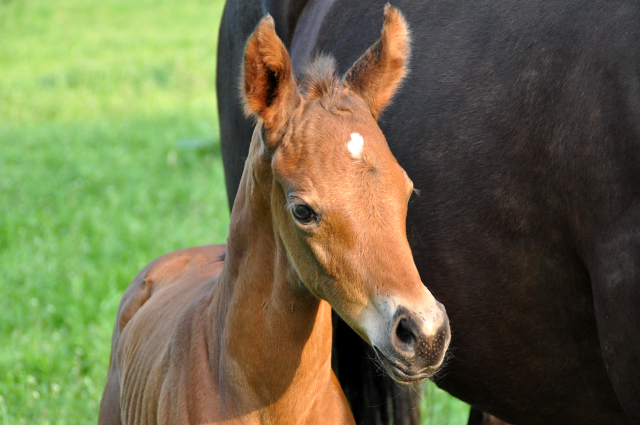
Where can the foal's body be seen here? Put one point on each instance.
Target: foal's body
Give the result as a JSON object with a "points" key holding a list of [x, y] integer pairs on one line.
{"points": [[187, 365]]}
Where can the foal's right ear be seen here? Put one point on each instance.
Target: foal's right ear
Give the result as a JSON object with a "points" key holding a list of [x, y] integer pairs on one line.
{"points": [[269, 87]]}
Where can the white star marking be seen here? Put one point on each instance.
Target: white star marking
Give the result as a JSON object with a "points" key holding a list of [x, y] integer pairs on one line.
{"points": [[355, 145]]}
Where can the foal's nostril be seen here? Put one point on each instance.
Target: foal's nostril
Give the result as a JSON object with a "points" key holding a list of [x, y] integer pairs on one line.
{"points": [[405, 334], [405, 337]]}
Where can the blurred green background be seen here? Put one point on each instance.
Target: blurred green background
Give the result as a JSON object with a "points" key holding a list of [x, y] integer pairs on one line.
{"points": [[109, 157]]}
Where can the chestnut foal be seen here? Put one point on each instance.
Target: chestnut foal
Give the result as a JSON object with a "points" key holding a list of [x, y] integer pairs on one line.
{"points": [[319, 222]]}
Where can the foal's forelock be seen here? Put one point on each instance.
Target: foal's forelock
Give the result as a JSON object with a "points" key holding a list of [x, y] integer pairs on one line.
{"points": [[319, 77]]}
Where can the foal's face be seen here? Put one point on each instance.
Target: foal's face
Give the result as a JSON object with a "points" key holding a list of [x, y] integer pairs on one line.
{"points": [[341, 209]]}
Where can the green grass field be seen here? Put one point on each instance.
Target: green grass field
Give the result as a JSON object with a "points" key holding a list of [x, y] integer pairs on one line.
{"points": [[109, 157]]}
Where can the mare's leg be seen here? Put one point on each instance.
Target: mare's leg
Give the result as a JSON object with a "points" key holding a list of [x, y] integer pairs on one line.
{"points": [[614, 264], [475, 416]]}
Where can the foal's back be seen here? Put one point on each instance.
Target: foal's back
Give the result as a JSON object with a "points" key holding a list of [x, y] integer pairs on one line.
{"points": [[159, 325]]}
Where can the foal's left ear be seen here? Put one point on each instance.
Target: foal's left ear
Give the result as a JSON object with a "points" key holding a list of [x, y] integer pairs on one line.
{"points": [[377, 74], [269, 87]]}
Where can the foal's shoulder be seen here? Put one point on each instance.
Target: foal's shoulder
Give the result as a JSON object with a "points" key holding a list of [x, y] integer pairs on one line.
{"points": [[190, 263]]}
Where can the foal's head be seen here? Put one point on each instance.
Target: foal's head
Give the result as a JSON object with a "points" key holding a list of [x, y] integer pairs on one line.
{"points": [[339, 198]]}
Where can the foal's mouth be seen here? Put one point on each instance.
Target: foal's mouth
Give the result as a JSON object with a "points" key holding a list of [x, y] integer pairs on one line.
{"points": [[400, 371]]}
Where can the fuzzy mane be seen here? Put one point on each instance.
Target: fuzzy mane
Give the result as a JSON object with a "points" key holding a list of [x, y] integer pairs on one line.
{"points": [[319, 77]]}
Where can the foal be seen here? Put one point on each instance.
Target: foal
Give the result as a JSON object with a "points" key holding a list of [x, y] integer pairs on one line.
{"points": [[319, 222]]}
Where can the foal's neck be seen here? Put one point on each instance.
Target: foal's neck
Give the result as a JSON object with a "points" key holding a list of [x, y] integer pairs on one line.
{"points": [[275, 337]]}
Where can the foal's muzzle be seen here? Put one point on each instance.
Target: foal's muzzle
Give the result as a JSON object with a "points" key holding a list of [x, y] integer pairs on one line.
{"points": [[417, 347]]}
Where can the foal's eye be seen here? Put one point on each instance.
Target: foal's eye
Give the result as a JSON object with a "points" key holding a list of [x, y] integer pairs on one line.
{"points": [[303, 213]]}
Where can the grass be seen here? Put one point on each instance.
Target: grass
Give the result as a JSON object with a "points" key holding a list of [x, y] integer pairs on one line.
{"points": [[109, 157]]}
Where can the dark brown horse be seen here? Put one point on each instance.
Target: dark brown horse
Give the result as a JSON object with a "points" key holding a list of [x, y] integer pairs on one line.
{"points": [[520, 125], [319, 223]]}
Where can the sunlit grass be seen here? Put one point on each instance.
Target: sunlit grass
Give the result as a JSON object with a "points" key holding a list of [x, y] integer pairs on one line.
{"points": [[109, 157], [439, 408], [95, 101]]}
